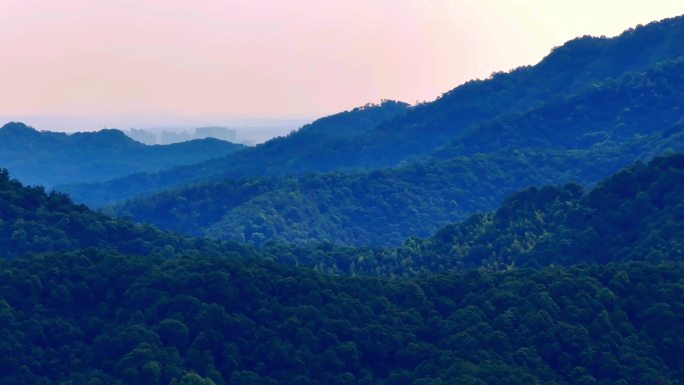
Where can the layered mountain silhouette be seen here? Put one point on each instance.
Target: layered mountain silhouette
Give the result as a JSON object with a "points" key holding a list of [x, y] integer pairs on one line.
{"points": [[33, 220], [523, 229], [51, 158], [581, 138], [636, 214], [312, 147], [387, 139], [134, 299]]}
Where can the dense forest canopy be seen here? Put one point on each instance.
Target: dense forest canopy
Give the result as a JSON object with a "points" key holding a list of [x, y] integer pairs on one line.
{"points": [[98, 318], [33, 220], [635, 215], [111, 302]]}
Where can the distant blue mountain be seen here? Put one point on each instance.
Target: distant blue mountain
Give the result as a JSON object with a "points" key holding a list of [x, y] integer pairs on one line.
{"points": [[52, 158]]}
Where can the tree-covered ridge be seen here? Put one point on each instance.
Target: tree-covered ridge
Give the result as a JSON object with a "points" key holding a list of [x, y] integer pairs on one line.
{"points": [[53, 158], [176, 315], [638, 104], [582, 138], [568, 69], [417, 132], [383, 207], [637, 214], [32, 220], [314, 147], [634, 215], [100, 318]]}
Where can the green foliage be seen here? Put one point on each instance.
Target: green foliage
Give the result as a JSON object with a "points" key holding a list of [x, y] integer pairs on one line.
{"points": [[638, 106], [255, 322], [379, 208], [186, 311], [636, 214], [32, 220], [193, 379]]}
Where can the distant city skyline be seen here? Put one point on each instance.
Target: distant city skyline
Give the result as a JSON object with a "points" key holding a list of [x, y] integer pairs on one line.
{"points": [[248, 131], [81, 65], [170, 136]]}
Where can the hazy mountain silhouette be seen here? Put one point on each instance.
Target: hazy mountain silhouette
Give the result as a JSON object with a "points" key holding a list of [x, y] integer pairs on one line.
{"points": [[582, 138], [51, 158], [313, 144], [417, 132]]}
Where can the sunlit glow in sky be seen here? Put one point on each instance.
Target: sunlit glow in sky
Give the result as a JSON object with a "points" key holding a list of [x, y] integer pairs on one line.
{"points": [[170, 60]]}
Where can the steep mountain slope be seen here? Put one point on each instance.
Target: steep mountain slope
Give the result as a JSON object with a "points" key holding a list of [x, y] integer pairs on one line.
{"points": [[582, 138], [613, 111], [88, 316], [313, 147], [635, 215], [51, 158], [32, 220], [378, 208], [571, 68]]}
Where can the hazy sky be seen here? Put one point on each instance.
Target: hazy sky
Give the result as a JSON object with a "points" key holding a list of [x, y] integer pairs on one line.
{"points": [[135, 62]]}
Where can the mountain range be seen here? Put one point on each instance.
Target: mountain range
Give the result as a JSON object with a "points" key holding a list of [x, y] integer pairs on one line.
{"points": [[88, 299], [391, 135], [52, 158], [580, 138], [527, 228]]}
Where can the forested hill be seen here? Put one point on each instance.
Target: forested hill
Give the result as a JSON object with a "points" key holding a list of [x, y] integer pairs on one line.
{"points": [[571, 68], [32, 220], [98, 318], [636, 105], [312, 147], [635, 215], [189, 312], [583, 138], [52, 158]]}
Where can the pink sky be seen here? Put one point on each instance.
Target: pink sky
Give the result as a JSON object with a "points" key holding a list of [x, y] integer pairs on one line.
{"points": [[165, 61]]}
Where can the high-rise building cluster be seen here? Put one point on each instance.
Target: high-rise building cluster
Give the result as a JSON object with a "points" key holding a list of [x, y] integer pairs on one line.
{"points": [[168, 136]]}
